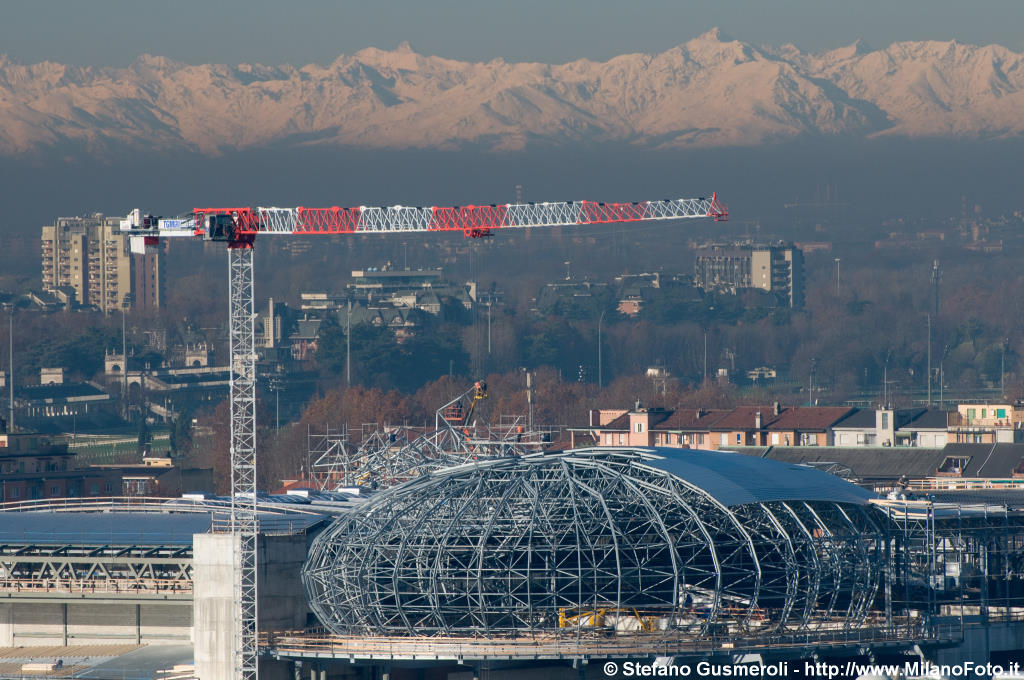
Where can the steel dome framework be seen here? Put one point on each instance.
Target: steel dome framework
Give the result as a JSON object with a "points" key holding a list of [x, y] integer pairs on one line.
{"points": [[599, 540]]}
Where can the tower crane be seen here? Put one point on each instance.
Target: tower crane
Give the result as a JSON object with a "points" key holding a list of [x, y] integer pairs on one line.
{"points": [[238, 228]]}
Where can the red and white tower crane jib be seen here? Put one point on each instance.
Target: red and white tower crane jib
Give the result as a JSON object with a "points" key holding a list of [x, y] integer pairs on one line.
{"points": [[238, 228]]}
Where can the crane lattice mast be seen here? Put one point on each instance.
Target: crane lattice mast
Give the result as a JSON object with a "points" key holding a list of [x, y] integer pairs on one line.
{"points": [[238, 228]]}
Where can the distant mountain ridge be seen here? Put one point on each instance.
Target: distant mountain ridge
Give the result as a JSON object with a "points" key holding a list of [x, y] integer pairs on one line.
{"points": [[711, 91]]}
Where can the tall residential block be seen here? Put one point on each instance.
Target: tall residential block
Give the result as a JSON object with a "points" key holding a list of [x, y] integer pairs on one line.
{"points": [[91, 256], [776, 268]]}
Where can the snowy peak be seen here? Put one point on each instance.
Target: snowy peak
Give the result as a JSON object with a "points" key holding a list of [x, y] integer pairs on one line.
{"points": [[709, 91]]}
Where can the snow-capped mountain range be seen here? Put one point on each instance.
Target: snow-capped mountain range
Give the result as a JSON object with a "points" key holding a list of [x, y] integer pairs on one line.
{"points": [[711, 91]]}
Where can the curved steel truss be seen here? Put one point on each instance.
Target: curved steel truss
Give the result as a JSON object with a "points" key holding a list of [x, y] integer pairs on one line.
{"points": [[589, 541]]}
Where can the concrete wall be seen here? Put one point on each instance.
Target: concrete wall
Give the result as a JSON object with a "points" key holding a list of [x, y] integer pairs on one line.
{"points": [[979, 643], [36, 623], [27, 623], [282, 599], [6, 625], [214, 626]]}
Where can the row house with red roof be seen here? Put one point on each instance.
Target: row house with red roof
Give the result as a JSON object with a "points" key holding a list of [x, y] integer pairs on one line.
{"points": [[773, 425]]}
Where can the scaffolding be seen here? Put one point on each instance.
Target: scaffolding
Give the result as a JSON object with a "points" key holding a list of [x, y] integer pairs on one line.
{"points": [[391, 454]]}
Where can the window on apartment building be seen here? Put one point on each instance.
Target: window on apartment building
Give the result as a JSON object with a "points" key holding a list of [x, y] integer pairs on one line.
{"points": [[775, 438], [622, 439], [885, 421], [725, 439], [54, 490], [862, 439], [1001, 413], [639, 427], [739, 438], [984, 413], [808, 439], [972, 414]]}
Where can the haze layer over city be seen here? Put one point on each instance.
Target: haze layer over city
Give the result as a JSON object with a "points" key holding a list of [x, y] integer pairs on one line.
{"points": [[733, 229]]}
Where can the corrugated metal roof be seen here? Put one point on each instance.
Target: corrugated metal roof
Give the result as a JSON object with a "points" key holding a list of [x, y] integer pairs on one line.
{"points": [[885, 462], [736, 479]]}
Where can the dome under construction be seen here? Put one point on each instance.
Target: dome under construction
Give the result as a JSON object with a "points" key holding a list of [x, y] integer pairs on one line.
{"points": [[623, 540]]}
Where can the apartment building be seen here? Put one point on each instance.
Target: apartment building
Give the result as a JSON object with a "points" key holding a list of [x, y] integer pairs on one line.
{"points": [[777, 268], [91, 256]]}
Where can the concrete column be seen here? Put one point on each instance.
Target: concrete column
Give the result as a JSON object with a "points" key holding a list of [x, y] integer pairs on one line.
{"points": [[6, 625], [213, 622]]}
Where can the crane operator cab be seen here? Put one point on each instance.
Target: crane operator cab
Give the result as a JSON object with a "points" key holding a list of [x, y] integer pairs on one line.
{"points": [[219, 228]]}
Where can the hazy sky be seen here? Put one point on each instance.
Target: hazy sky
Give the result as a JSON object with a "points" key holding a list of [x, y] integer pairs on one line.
{"points": [[114, 32]]}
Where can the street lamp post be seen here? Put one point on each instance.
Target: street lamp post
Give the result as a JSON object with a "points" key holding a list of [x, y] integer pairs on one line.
{"points": [[10, 372], [705, 355], [600, 375], [1002, 369], [929, 360], [810, 383]]}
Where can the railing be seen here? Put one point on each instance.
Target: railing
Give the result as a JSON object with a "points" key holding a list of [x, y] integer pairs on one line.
{"points": [[101, 503], [118, 586], [962, 483], [143, 504], [301, 644]]}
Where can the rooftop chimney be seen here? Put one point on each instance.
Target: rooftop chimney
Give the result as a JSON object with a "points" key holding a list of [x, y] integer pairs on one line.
{"points": [[776, 409], [757, 420]]}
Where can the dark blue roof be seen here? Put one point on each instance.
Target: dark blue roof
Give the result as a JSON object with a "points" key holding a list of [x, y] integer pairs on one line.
{"points": [[135, 528], [735, 479], [96, 528]]}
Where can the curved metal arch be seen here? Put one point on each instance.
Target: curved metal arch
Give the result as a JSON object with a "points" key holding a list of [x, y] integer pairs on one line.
{"points": [[814, 583], [749, 542], [834, 560], [669, 540], [792, 569], [479, 556], [442, 623], [612, 529], [779, 544], [854, 613]]}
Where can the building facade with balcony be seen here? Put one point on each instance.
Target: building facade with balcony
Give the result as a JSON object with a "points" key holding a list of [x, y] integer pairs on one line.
{"points": [[777, 268], [91, 256]]}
